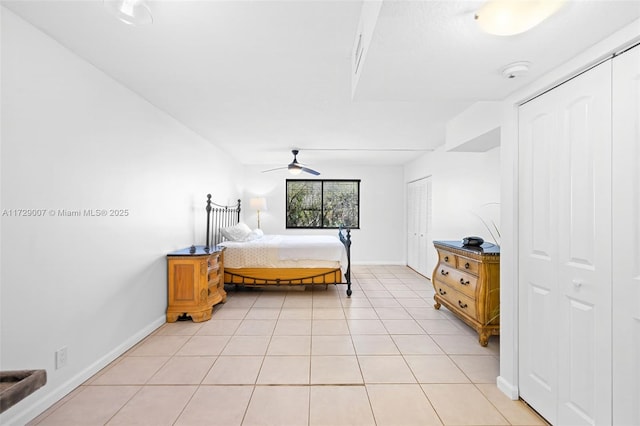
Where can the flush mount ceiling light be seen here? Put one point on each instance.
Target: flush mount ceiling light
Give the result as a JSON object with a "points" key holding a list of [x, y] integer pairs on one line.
{"points": [[510, 17], [132, 12]]}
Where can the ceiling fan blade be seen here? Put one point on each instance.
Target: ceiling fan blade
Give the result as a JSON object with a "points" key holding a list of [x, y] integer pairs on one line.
{"points": [[295, 167], [311, 171], [273, 170]]}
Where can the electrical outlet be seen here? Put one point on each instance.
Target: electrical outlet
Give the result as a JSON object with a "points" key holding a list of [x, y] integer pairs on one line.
{"points": [[61, 357]]}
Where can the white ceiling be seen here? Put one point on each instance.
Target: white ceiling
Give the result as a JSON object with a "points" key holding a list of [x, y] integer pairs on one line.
{"points": [[258, 78]]}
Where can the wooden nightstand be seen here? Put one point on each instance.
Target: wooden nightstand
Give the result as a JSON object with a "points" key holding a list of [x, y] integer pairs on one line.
{"points": [[467, 281], [195, 282]]}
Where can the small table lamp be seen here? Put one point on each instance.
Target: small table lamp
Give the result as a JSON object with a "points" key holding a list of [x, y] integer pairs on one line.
{"points": [[258, 203]]}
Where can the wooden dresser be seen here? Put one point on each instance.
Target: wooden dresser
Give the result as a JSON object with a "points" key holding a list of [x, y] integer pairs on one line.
{"points": [[195, 283], [467, 281]]}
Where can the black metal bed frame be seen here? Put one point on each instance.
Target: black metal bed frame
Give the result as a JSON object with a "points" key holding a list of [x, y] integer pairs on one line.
{"points": [[218, 217], [221, 216]]}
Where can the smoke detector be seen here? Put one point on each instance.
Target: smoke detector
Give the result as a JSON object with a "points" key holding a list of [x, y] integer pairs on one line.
{"points": [[515, 69]]}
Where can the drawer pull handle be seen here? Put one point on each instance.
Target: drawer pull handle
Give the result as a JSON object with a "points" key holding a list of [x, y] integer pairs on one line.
{"points": [[462, 305], [463, 282], [442, 292], [446, 258], [467, 266], [443, 272]]}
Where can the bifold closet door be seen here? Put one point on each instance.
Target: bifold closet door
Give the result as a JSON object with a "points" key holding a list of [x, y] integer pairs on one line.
{"points": [[626, 238], [418, 225], [538, 286], [413, 214], [565, 250]]}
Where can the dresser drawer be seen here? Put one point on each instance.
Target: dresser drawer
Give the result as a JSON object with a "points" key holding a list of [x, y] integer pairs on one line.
{"points": [[461, 302], [442, 289], [467, 265], [462, 282], [448, 259]]}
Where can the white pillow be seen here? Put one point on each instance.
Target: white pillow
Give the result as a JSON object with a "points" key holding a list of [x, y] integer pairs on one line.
{"points": [[238, 232], [255, 234]]}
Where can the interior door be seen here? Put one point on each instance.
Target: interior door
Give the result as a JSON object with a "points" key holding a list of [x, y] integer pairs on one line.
{"points": [[426, 231], [538, 287], [418, 224], [626, 238], [565, 250], [584, 243], [412, 225]]}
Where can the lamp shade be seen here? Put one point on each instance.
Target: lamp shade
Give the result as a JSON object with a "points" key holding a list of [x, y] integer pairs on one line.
{"points": [[258, 203], [510, 17], [132, 12]]}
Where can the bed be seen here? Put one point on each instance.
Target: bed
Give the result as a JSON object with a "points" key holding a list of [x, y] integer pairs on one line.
{"points": [[256, 260]]}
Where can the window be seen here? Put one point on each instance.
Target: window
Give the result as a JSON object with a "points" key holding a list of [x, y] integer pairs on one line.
{"points": [[323, 203]]}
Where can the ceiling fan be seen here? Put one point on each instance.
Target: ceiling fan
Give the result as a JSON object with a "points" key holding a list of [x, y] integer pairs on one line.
{"points": [[294, 167]]}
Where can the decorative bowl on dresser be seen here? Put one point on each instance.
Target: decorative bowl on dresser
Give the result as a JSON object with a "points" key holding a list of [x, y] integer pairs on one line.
{"points": [[195, 284], [467, 281]]}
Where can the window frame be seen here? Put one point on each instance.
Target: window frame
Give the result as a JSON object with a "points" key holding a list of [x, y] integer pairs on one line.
{"points": [[322, 207]]}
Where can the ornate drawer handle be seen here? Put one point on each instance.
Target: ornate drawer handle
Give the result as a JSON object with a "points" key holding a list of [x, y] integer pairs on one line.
{"points": [[442, 292], [466, 265], [446, 258], [462, 305], [463, 282], [443, 272]]}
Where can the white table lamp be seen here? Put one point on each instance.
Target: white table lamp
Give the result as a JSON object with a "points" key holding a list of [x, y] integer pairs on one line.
{"points": [[258, 203]]}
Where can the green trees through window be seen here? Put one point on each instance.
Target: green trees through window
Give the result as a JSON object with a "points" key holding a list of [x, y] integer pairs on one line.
{"points": [[323, 203]]}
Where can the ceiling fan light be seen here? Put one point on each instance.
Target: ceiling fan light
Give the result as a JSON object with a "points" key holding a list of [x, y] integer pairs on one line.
{"points": [[509, 17], [132, 12], [295, 170]]}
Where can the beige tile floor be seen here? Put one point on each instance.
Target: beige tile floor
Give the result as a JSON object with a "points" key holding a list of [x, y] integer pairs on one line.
{"points": [[305, 356]]}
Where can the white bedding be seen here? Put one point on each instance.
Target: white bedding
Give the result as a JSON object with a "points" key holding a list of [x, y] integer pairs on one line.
{"points": [[286, 251]]}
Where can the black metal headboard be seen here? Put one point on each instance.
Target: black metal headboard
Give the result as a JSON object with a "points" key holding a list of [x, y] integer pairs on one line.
{"points": [[219, 216]]}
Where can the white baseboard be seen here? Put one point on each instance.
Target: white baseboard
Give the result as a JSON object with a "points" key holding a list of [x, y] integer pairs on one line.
{"points": [[507, 388], [30, 411]]}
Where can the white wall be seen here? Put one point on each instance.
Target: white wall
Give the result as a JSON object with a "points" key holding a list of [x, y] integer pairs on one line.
{"points": [[470, 128], [74, 139], [381, 238], [465, 189]]}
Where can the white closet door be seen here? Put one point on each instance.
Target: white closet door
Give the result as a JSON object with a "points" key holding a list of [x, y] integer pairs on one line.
{"points": [[565, 250], [584, 249], [418, 220], [426, 232], [626, 238], [537, 255], [412, 225]]}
